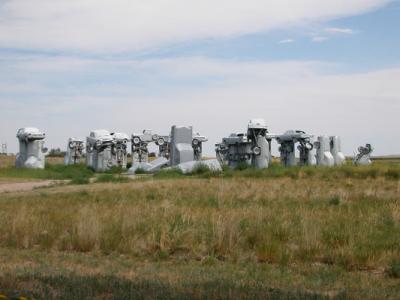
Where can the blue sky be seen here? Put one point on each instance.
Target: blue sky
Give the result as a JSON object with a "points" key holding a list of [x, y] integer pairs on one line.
{"points": [[328, 68], [374, 42]]}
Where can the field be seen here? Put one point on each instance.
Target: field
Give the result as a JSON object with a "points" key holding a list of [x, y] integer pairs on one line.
{"points": [[311, 233]]}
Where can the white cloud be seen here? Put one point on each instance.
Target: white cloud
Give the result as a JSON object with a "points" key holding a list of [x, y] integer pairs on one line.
{"points": [[340, 30], [126, 25], [319, 39], [286, 41], [224, 95]]}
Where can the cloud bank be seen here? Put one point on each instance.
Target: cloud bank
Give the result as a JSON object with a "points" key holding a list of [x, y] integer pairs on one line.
{"points": [[132, 25]]}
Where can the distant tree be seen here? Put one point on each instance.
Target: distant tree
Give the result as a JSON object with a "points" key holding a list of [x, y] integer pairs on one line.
{"points": [[56, 153]]}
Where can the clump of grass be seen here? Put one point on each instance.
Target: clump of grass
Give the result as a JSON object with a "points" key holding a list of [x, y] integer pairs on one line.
{"points": [[200, 169], [394, 268], [334, 200], [243, 166], [140, 171], [112, 178], [80, 180], [271, 252], [203, 171]]}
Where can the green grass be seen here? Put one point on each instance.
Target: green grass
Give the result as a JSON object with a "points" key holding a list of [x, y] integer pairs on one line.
{"points": [[81, 174], [140, 171], [112, 178], [168, 174], [80, 180], [115, 170], [345, 171], [77, 173], [391, 172], [377, 170]]}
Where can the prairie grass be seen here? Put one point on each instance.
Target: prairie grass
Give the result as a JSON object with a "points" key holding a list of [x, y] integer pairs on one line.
{"points": [[350, 223], [310, 233]]}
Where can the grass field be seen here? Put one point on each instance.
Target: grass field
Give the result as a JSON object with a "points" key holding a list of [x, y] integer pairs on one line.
{"points": [[311, 233], [9, 160]]}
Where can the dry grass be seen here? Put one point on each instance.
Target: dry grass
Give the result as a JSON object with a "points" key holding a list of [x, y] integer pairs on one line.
{"points": [[354, 224], [9, 161], [330, 236]]}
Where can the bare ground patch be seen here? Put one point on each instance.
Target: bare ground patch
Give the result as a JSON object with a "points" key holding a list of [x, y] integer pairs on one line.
{"points": [[9, 187]]}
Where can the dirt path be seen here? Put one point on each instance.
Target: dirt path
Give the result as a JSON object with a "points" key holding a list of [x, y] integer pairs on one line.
{"points": [[7, 187]]}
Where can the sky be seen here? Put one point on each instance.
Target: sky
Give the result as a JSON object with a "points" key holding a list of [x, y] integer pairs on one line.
{"points": [[327, 67]]}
